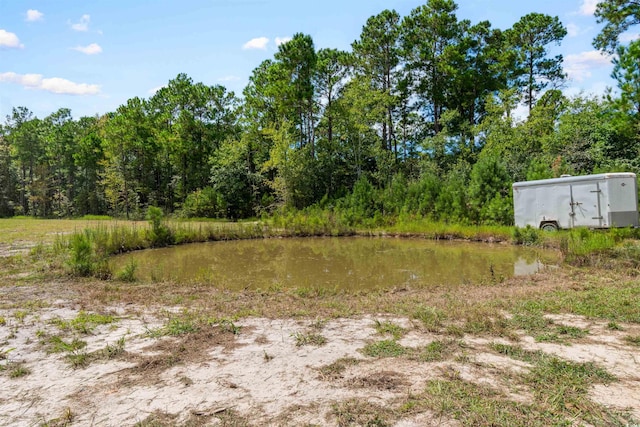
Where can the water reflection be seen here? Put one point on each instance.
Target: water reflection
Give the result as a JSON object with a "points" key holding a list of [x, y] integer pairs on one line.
{"points": [[353, 263]]}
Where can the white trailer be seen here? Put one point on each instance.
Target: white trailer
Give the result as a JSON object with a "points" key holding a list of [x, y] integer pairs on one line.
{"points": [[594, 201]]}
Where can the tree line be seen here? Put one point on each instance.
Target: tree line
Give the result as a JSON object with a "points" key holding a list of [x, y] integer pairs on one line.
{"points": [[417, 119]]}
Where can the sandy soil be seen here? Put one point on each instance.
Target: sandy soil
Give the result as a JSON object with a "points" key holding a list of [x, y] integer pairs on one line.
{"points": [[259, 375]]}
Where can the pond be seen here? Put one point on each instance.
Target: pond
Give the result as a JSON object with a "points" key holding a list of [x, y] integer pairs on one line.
{"points": [[345, 263]]}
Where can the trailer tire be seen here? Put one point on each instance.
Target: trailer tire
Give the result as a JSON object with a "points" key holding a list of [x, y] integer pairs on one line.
{"points": [[549, 226]]}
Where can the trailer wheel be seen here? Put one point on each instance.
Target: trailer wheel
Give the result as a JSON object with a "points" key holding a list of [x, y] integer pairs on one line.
{"points": [[549, 226]]}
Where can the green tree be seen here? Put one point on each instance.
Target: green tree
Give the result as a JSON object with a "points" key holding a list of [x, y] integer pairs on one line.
{"points": [[534, 70], [377, 57], [618, 16], [88, 159], [295, 69], [8, 178], [429, 37], [490, 192]]}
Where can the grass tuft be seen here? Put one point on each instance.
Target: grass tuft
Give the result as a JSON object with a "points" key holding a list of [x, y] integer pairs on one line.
{"points": [[309, 338], [385, 348]]}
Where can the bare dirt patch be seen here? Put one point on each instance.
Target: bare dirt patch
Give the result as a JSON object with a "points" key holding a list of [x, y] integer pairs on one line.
{"points": [[256, 374]]}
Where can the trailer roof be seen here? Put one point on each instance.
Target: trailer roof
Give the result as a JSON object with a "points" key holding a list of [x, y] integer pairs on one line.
{"points": [[579, 178]]}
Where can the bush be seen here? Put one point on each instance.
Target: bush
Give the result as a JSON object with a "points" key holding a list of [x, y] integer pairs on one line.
{"points": [[159, 235], [85, 260], [525, 236], [205, 203]]}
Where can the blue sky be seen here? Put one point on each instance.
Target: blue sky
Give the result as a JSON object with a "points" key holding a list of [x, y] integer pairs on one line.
{"points": [[91, 56]]}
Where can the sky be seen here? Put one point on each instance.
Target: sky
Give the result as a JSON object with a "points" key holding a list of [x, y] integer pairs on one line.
{"points": [[93, 55]]}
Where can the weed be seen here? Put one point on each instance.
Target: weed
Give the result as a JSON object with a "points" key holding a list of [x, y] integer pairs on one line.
{"points": [[389, 328], [614, 326], [266, 356], [4, 353], [430, 317], [561, 333], [64, 420], [84, 322], [527, 236], [20, 315], [58, 345], [437, 350], [318, 324], [336, 369], [128, 273], [530, 321], [230, 418], [228, 326], [309, 339], [385, 348], [3, 321], [78, 359], [355, 412], [518, 353], [112, 351], [633, 339], [175, 326], [477, 405], [18, 370]]}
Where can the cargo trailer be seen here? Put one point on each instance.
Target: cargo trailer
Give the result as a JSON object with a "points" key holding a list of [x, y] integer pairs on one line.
{"points": [[593, 201]]}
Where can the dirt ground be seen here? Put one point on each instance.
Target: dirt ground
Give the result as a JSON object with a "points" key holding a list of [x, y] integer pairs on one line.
{"points": [[259, 371]]}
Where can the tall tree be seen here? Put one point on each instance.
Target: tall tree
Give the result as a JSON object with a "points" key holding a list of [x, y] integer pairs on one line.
{"points": [[8, 177], [618, 16], [295, 69], [377, 57], [535, 71], [429, 35]]}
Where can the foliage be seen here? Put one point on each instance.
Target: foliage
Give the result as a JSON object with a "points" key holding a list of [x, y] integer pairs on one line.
{"points": [[159, 234], [415, 122], [618, 16]]}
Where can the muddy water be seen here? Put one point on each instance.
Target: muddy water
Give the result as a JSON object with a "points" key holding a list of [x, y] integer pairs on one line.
{"points": [[354, 263]]}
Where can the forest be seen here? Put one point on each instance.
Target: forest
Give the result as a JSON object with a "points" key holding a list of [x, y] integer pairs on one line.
{"points": [[416, 120]]}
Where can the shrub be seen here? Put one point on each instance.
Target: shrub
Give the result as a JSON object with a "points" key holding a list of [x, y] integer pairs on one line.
{"points": [[160, 234], [205, 203]]}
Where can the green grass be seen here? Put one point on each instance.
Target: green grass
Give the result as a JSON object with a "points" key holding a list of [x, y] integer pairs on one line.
{"points": [[335, 370], [128, 273], [432, 318], [437, 350], [389, 328], [84, 322], [594, 299], [56, 344], [384, 348], [360, 412], [18, 370], [176, 326], [439, 230], [633, 339], [309, 338]]}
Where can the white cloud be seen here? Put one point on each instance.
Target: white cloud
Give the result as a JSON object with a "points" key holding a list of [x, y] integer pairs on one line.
{"points": [[54, 84], [257, 43], [629, 37], [573, 30], [282, 40], [92, 49], [579, 66], [229, 79], [153, 90], [588, 7], [83, 24], [34, 15], [8, 39]]}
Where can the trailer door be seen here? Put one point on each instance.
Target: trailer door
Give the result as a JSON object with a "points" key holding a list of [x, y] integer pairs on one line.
{"points": [[585, 205]]}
